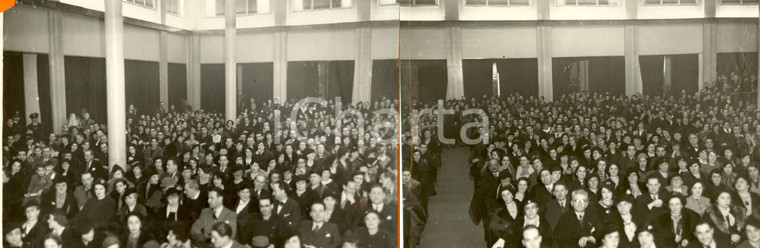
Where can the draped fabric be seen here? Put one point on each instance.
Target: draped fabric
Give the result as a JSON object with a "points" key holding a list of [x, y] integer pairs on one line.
{"points": [[303, 79], [177, 77], [142, 83], [340, 76], [685, 74], [428, 79], [515, 76], [652, 76], [212, 88], [740, 63], [258, 82], [86, 87], [385, 75], [43, 91], [13, 86], [605, 74]]}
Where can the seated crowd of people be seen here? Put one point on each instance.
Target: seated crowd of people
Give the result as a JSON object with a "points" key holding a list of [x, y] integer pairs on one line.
{"points": [[597, 170], [193, 179]]}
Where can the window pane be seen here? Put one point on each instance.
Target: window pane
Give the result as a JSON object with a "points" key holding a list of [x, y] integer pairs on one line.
{"points": [[498, 2], [219, 7], [252, 7], [140, 2], [731, 1], [337, 4], [321, 4], [567, 2], [476, 2], [669, 1], [149, 3], [425, 2], [519, 2], [404, 2], [751, 1], [240, 6], [652, 2], [688, 1], [586, 2]]}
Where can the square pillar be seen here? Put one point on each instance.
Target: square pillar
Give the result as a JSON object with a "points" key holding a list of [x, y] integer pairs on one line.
{"points": [[31, 91], [280, 67], [363, 66], [57, 71], [455, 86], [544, 48], [116, 98], [633, 83], [230, 66], [709, 65]]}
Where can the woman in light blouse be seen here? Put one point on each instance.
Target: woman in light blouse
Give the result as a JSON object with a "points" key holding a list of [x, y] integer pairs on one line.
{"points": [[696, 201]]}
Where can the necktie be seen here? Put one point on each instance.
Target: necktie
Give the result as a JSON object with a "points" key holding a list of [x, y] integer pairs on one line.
{"points": [[172, 216], [316, 227], [562, 204], [580, 219]]}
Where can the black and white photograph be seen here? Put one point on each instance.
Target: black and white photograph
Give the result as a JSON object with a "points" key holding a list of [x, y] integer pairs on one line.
{"points": [[580, 123], [201, 123]]}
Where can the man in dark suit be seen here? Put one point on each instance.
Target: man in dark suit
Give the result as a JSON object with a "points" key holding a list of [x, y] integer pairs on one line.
{"points": [[263, 224], [317, 232], [285, 207], [556, 207], [650, 204], [216, 212], [195, 200], [57, 224], [386, 212], [542, 192], [222, 236], [484, 204], [94, 166], [244, 207], [34, 229], [315, 183], [153, 151], [703, 232], [576, 228], [303, 194]]}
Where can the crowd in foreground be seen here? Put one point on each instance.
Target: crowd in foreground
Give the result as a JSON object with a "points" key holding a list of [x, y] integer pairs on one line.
{"points": [[597, 170], [193, 179]]}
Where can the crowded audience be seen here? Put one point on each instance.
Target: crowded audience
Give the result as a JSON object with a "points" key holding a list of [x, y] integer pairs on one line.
{"points": [[193, 179], [597, 170]]}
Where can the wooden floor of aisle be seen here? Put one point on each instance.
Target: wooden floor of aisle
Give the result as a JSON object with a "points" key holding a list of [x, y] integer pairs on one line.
{"points": [[449, 224]]}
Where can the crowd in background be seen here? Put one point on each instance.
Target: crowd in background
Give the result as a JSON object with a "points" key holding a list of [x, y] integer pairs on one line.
{"points": [[598, 170], [193, 179]]}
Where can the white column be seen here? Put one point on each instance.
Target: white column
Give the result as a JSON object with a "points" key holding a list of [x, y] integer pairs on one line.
{"points": [[455, 87], [117, 123], [230, 67], [57, 71], [194, 70], [280, 67], [362, 91], [163, 70], [544, 43], [709, 61], [31, 91], [633, 83]]}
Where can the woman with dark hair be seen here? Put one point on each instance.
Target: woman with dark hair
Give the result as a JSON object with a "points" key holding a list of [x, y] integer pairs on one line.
{"points": [[609, 236], [502, 223], [135, 235], [67, 172], [624, 218], [60, 200], [177, 237], [521, 192], [693, 175], [714, 184], [728, 219], [52, 241], [100, 209], [593, 187], [605, 206], [743, 197], [696, 201], [371, 235], [579, 180]]}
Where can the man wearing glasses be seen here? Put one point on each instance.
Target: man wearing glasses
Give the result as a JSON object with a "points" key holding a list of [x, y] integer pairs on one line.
{"points": [[576, 228]]}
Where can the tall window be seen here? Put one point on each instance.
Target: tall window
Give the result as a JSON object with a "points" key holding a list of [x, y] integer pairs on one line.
{"points": [[244, 7], [320, 4], [497, 2], [588, 2], [173, 7], [739, 2], [414, 3], [143, 3], [670, 2]]}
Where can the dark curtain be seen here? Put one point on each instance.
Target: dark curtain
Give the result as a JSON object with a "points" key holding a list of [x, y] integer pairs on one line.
{"points": [[13, 86], [432, 77], [258, 82], [561, 69], [385, 84], [340, 76], [606, 74], [303, 79], [142, 82], [212, 88], [43, 91], [476, 74], [177, 85], [740, 63], [86, 87], [684, 74], [518, 76], [652, 76]]}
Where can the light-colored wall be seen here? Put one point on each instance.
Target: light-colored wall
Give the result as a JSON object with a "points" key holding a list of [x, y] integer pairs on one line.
{"points": [[254, 47], [670, 39], [336, 44], [423, 43], [736, 37], [27, 30], [588, 41], [515, 42], [212, 49], [385, 43]]}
